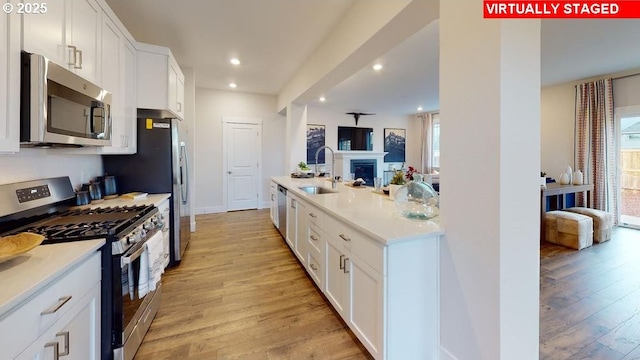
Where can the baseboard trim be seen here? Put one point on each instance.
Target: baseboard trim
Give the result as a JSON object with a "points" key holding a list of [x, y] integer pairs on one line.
{"points": [[210, 210]]}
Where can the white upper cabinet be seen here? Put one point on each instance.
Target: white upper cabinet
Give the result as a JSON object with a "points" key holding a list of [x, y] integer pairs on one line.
{"points": [[68, 34], [119, 78], [83, 33], [10, 79], [160, 80]]}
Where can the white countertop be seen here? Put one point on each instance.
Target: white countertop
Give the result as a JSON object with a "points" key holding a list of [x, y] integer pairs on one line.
{"points": [[26, 274], [151, 199], [373, 214]]}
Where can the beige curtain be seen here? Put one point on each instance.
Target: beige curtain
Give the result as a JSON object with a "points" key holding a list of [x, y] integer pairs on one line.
{"points": [[427, 142], [594, 142]]}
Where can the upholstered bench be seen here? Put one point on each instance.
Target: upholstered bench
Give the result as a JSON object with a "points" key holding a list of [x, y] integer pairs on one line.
{"points": [[602, 222], [569, 229]]}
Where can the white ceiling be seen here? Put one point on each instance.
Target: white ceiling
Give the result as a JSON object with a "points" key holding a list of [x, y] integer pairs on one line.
{"points": [[273, 38]]}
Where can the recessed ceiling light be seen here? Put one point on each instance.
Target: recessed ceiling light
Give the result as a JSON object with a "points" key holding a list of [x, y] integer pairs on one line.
{"points": [[419, 108], [235, 61], [233, 85], [322, 99], [377, 67]]}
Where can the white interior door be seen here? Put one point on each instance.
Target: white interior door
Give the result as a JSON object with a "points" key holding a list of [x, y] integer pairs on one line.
{"points": [[244, 153]]}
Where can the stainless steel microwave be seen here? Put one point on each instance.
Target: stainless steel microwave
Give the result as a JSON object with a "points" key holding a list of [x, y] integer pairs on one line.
{"points": [[60, 108]]}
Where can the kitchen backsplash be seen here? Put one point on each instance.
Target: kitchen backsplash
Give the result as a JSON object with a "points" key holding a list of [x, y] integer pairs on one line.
{"points": [[30, 164]]}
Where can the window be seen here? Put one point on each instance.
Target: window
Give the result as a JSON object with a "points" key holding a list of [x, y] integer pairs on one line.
{"points": [[435, 142]]}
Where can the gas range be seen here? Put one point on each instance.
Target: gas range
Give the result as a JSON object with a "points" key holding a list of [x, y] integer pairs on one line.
{"points": [[45, 207], [122, 226]]}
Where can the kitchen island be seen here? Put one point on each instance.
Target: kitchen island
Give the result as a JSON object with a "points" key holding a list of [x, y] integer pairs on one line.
{"points": [[378, 269]]}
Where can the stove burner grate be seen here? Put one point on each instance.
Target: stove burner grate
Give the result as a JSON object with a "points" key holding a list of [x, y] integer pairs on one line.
{"points": [[82, 224]]}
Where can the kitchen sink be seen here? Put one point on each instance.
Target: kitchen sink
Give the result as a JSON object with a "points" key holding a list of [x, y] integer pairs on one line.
{"points": [[315, 190]]}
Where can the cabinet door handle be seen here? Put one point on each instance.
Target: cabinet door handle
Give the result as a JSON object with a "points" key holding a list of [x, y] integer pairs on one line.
{"points": [[74, 51], [179, 106], [293, 203], [54, 345], [313, 267], [79, 57], [66, 342], [341, 262], [313, 238], [343, 237], [345, 268], [61, 301]]}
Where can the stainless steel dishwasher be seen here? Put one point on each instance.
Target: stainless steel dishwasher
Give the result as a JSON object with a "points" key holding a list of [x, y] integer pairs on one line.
{"points": [[282, 211]]}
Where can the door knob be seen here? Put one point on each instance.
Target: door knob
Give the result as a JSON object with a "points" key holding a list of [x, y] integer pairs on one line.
{"points": [[229, 172]]}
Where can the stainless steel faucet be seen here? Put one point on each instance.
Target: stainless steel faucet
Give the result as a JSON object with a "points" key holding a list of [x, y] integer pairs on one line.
{"points": [[334, 181]]}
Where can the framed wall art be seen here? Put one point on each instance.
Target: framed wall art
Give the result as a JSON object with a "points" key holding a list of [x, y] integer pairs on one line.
{"points": [[315, 140], [395, 144]]}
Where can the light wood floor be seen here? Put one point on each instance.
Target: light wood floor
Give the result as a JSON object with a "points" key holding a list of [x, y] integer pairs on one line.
{"points": [[239, 294], [590, 300]]}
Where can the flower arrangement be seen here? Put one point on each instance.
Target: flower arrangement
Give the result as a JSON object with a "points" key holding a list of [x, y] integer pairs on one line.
{"points": [[410, 171], [398, 178]]}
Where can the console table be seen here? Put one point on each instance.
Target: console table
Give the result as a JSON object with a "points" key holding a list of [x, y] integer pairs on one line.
{"points": [[555, 189]]}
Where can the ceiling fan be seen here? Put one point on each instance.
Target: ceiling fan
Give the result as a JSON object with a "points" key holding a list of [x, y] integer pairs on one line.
{"points": [[356, 115]]}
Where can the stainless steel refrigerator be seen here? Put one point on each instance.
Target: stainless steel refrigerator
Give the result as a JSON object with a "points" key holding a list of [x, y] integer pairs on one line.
{"points": [[159, 166]]}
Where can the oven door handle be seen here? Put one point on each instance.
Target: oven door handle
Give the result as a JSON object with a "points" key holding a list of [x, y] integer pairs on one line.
{"points": [[128, 259]]}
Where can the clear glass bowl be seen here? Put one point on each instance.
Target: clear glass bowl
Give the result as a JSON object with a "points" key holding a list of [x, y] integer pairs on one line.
{"points": [[417, 200]]}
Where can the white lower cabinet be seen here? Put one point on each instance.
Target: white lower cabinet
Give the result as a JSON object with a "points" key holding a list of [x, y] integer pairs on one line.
{"points": [[315, 247], [366, 312], [164, 209], [63, 319], [387, 293], [296, 227], [336, 286], [76, 336], [273, 202]]}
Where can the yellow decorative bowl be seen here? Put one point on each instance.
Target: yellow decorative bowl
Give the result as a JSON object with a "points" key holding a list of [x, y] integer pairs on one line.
{"points": [[14, 245]]}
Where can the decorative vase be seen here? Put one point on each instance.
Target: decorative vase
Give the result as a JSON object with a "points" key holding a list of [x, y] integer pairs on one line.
{"points": [[577, 178], [564, 179], [543, 182], [393, 188], [569, 173], [417, 200]]}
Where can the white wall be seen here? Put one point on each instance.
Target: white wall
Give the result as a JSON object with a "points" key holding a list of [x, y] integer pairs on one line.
{"points": [[31, 164], [490, 113], [556, 127], [332, 119], [211, 107], [557, 110]]}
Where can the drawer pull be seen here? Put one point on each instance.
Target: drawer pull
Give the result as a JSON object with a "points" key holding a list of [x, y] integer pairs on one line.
{"points": [[66, 342], [313, 215], [313, 238], [343, 237], [313, 267], [54, 345], [63, 300]]}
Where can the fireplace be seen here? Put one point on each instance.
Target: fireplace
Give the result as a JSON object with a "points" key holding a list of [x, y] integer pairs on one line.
{"points": [[365, 169], [344, 161]]}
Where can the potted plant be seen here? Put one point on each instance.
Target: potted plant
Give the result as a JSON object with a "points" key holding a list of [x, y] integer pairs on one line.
{"points": [[303, 167], [543, 179]]}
